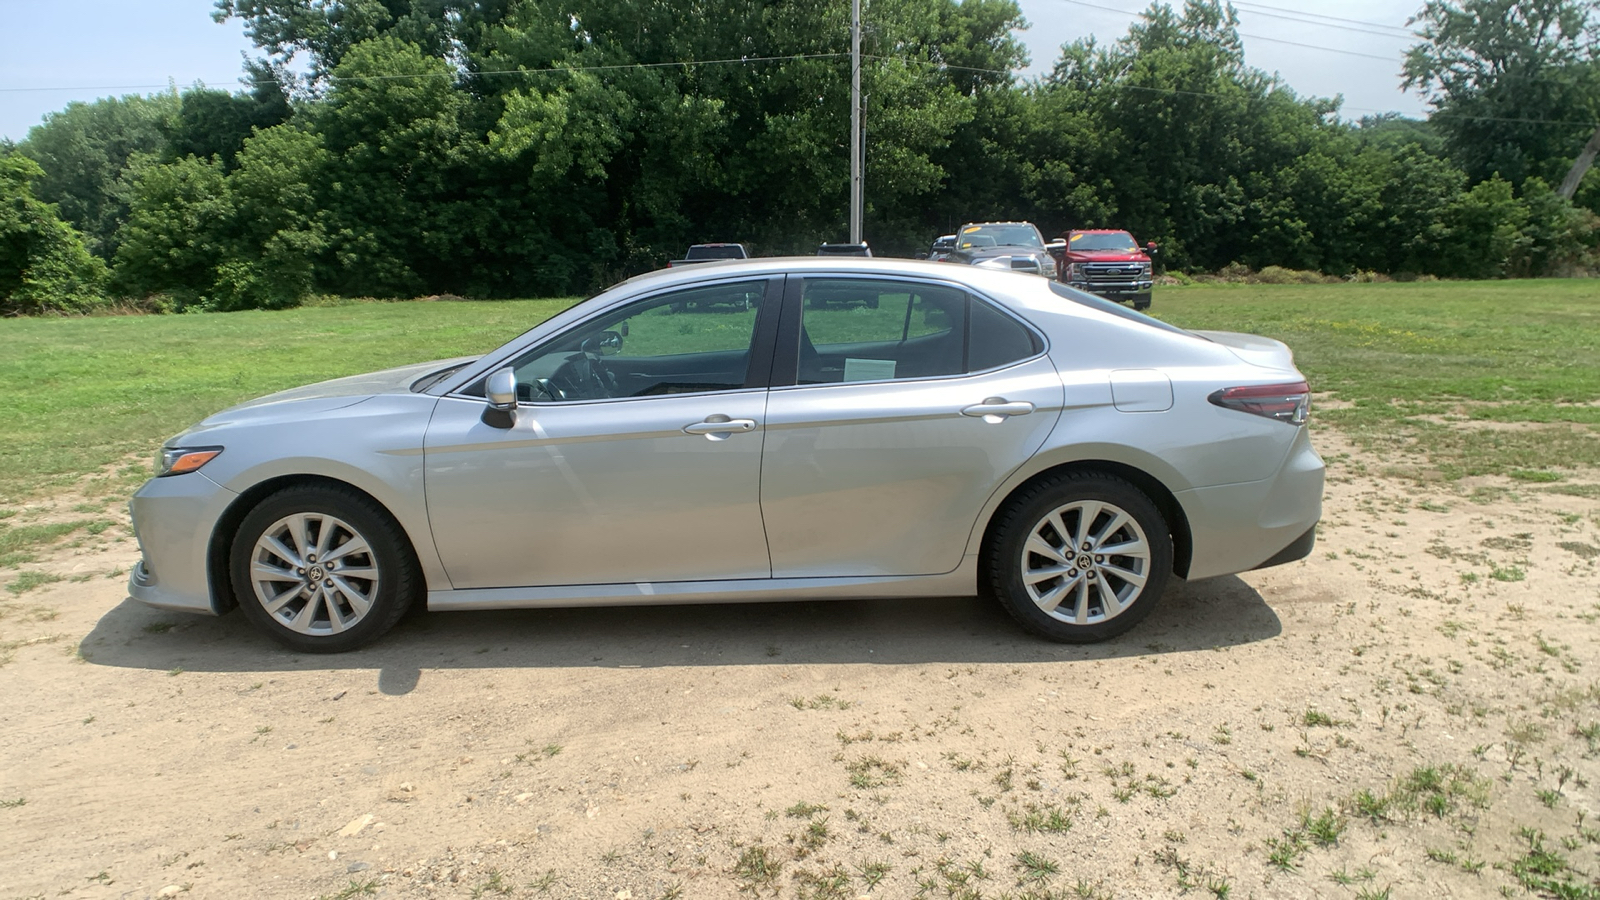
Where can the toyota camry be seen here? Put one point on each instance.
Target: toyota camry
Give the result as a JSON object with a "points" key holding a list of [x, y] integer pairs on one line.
{"points": [[778, 429]]}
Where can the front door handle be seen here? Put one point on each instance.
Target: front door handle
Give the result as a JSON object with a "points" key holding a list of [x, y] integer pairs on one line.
{"points": [[720, 426], [996, 409]]}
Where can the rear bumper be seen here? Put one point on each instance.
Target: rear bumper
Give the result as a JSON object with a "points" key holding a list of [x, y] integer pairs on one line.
{"points": [[1239, 527], [1300, 549], [173, 519]]}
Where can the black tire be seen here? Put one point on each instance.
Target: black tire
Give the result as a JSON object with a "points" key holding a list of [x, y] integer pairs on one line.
{"points": [[338, 518], [1141, 301], [1071, 496]]}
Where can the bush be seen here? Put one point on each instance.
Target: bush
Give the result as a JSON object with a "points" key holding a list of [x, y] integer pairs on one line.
{"points": [[44, 266]]}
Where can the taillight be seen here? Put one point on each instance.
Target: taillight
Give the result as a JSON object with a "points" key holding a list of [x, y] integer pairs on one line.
{"points": [[1285, 402]]}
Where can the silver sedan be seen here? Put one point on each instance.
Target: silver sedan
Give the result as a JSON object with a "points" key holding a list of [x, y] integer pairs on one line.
{"points": [[765, 430]]}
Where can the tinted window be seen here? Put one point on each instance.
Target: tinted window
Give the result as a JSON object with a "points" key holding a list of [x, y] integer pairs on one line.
{"points": [[681, 342], [995, 339], [878, 330]]}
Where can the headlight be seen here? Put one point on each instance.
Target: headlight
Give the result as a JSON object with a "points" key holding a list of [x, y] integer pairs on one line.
{"points": [[178, 460], [1049, 268]]}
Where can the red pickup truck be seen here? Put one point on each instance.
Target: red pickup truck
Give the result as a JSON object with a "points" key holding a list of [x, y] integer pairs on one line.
{"points": [[1105, 262]]}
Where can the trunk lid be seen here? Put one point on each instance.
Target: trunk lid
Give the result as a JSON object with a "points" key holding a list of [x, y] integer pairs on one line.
{"points": [[1254, 349]]}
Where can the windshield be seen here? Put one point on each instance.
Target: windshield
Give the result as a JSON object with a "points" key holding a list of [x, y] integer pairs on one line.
{"points": [[1006, 235], [1115, 240], [717, 251]]}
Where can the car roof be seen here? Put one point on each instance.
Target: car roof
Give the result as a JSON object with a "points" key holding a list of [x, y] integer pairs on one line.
{"points": [[1100, 231], [982, 280]]}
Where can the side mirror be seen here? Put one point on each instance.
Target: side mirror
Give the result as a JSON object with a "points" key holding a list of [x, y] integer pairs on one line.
{"points": [[1151, 249], [501, 389]]}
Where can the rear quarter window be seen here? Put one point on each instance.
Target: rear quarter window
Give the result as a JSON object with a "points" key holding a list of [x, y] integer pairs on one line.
{"points": [[995, 339], [1115, 309]]}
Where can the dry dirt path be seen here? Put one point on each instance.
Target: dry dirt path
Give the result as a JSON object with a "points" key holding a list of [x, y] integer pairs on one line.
{"points": [[1413, 710]]}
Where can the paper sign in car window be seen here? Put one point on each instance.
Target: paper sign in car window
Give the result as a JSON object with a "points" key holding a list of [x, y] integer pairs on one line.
{"points": [[868, 369], [1076, 237], [970, 229]]}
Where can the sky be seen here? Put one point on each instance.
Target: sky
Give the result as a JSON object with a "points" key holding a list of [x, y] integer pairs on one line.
{"points": [[53, 52]]}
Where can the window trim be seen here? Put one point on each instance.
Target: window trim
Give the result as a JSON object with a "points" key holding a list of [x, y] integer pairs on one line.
{"points": [[758, 371], [786, 356]]}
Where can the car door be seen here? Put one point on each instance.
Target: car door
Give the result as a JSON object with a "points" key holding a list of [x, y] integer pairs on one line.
{"points": [[634, 454], [898, 406]]}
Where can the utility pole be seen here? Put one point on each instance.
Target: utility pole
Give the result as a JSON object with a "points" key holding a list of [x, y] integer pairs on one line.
{"points": [[855, 122]]}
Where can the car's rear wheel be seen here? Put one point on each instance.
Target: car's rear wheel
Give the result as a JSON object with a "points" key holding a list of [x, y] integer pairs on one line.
{"points": [[322, 569], [1078, 558]]}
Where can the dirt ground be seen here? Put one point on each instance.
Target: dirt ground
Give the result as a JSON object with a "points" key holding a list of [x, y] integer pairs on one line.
{"points": [[1411, 712]]}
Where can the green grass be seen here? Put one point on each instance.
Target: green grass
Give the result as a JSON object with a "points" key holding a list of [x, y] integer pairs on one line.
{"points": [[17, 542], [83, 394], [1487, 352]]}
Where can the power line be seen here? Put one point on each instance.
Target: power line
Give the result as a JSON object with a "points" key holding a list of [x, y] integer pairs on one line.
{"points": [[1253, 37], [1538, 79], [1251, 5], [745, 60], [1155, 90], [742, 60], [1395, 37]]}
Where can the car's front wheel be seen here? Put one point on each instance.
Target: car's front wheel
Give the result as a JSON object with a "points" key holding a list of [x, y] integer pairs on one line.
{"points": [[322, 569], [1078, 558], [1141, 301]]}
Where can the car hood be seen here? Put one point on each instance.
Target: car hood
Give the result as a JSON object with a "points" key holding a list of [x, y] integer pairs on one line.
{"points": [[1254, 349], [297, 404], [354, 388]]}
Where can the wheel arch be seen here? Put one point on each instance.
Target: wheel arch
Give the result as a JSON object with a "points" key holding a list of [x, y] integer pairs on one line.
{"points": [[1158, 492], [227, 527]]}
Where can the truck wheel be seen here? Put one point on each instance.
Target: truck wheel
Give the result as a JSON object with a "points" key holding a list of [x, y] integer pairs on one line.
{"points": [[1141, 301]]}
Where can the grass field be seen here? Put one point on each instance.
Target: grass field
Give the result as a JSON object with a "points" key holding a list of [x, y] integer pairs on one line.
{"points": [[1408, 364], [1446, 378]]}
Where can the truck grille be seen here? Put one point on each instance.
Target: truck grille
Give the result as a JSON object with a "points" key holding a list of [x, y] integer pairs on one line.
{"points": [[1108, 272]]}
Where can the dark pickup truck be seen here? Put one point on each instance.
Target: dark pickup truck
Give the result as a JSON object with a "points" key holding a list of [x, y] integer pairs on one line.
{"points": [[699, 253]]}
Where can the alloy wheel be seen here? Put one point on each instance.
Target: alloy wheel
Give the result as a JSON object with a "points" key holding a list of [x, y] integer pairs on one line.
{"points": [[1085, 562], [314, 573]]}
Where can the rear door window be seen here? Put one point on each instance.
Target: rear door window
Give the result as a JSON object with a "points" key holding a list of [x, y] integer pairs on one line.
{"points": [[873, 329]]}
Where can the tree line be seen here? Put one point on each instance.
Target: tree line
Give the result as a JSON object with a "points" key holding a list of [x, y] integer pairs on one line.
{"points": [[500, 148]]}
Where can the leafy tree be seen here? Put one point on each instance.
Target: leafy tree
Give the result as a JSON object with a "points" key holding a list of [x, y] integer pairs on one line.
{"points": [[44, 266], [326, 30], [212, 123], [1503, 76], [179, 224], [86, 151]]}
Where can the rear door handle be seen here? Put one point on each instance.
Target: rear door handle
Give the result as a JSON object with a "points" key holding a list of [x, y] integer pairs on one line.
{"points": [[996, 409], [721, 425]]}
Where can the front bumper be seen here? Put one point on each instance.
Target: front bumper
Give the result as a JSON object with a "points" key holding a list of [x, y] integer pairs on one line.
{"points": [[173, 519], [1113, 288]]}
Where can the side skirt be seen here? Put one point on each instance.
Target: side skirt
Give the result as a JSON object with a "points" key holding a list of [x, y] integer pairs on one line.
{"points": [[960, 583]]}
